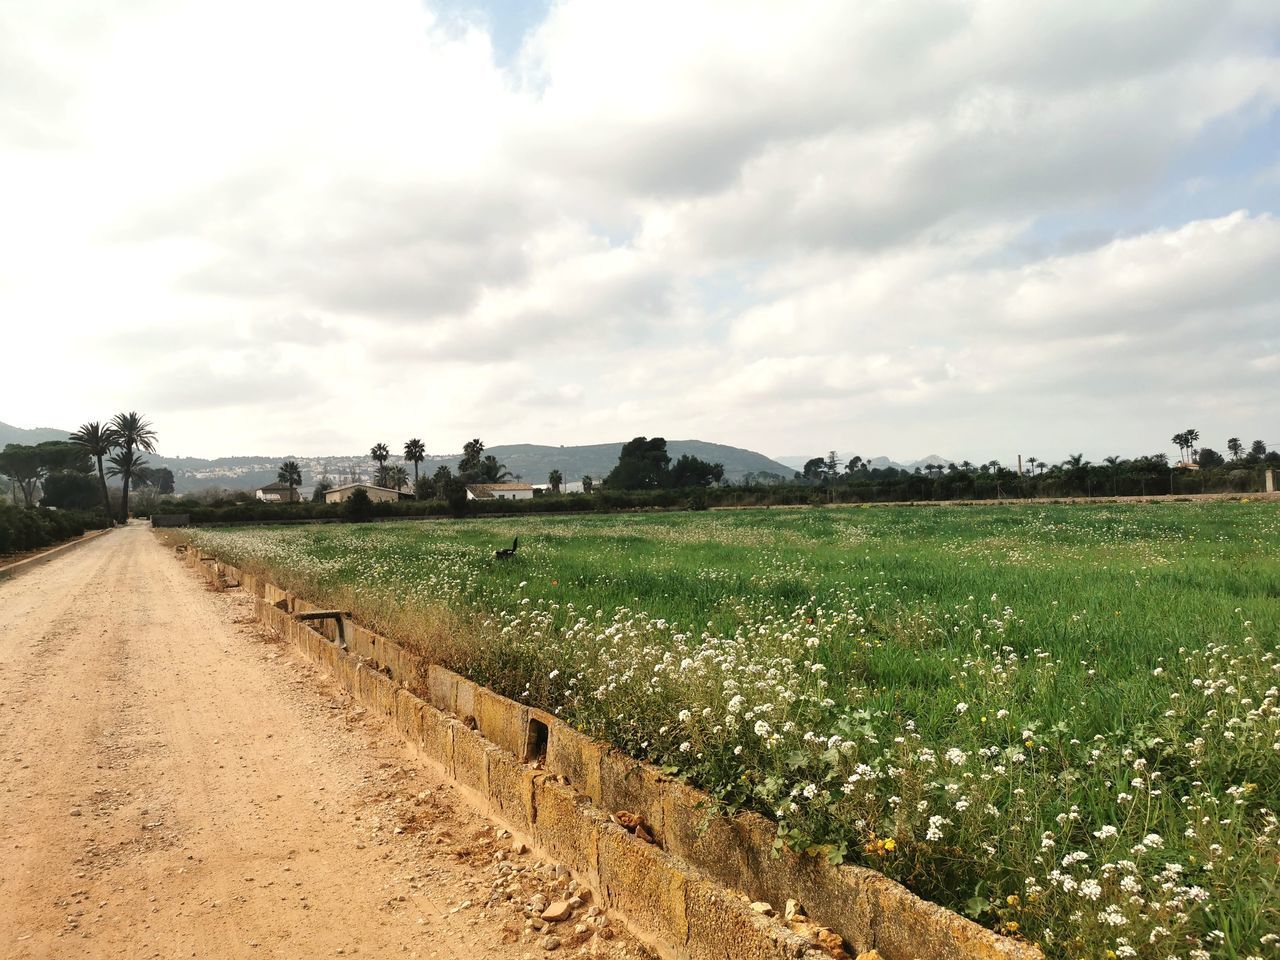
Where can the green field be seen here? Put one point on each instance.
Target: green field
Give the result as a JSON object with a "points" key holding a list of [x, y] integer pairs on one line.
{"points": [[1059, 720]]}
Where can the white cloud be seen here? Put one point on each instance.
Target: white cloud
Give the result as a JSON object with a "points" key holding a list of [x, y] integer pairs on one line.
{"points": [[774, 225]]}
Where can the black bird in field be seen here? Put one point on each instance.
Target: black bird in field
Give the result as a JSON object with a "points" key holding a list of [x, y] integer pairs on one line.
{"points": [[508, 552]]}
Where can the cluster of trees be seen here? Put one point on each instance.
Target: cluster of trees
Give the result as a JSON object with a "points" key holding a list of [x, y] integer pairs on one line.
{"points": [[1197, 470], [72, 474], [644, 464]]}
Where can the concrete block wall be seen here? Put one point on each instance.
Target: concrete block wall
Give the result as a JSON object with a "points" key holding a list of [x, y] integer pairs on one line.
{"points": [[548, 782]]}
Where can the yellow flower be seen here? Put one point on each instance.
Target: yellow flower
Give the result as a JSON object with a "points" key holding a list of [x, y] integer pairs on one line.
{"points": [[1011, 899], [890, 844], [1030, 743]]}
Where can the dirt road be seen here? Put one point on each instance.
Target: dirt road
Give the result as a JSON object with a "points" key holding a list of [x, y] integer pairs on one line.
{"points": [[173, 784]]}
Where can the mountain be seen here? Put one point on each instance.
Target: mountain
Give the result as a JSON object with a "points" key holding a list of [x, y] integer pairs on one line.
{"points": [[531, 462], [12, 434]]}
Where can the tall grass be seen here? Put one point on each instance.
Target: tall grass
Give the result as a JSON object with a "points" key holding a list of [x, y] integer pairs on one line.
{"points": [[1061, 720]]}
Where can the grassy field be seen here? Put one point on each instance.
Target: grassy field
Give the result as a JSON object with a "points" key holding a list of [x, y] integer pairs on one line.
{"points": [[1059, 720]]}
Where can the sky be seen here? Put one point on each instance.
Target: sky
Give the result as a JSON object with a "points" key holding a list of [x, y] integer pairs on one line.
{"points": [[975, 229]]}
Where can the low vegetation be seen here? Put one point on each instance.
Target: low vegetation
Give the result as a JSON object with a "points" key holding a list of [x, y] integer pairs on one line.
{"points": [[1060, 720], [22, 530]]}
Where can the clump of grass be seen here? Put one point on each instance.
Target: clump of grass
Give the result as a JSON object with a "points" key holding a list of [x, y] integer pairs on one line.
{"points": [[1062, 720]]}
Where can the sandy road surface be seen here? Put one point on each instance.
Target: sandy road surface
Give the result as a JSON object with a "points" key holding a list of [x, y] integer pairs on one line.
{"points": [[172, 784]]}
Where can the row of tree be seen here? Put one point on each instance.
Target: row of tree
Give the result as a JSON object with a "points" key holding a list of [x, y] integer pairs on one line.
{"points": [[60, 473], [1197, 469]]}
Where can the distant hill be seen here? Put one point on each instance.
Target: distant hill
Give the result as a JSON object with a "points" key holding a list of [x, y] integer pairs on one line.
{"points": [[531, 462], [12, 434]]}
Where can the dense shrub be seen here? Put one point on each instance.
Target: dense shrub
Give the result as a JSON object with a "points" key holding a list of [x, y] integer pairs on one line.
{"points": [[22, 529]]}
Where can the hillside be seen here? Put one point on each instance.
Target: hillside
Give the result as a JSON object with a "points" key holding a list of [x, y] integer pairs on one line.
{"points": [[12, 434], [531, 462]]}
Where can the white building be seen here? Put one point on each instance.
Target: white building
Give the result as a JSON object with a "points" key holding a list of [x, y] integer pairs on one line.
{"points": [[499, 491]]}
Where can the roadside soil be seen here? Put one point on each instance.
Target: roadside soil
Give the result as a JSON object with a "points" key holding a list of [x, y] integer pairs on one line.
{"points": [[173, 783]]}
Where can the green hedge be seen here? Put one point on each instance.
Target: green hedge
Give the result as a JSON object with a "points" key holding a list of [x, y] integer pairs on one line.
{"points": [[23, 529]]}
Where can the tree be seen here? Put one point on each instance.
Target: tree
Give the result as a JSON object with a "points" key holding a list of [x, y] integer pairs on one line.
{"points": [[125, 463], [415, 452], [587, 483], [159, 477], [1193, 437], [469, 465], [454, 493], [24, 465], [1210, 458], [424, 488], [815, 469], [135, 433], [68, 490], [323, 486], [358, 505], [643, 464], [1235, 447], [832, 465], [491, 471], [442, 476], [1033, 461], [380, 454], [1179, 440], [1257, 449], [690, 471], [291, 474], [555, 478], [397, 477], [1113, 462]]}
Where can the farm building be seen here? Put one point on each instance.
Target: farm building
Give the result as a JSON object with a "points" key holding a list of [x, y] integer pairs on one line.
{"points": [[278, 493], [376, 494], [499, 491]]}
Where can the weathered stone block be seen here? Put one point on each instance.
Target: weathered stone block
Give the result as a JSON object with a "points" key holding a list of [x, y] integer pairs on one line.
{"points": [[409, 717], [724, 927], [385, 691], [501, 721], [465, 703], [647, 885], [470, 765], [510, 786], [442, 688], [566, 827], [437, 738], [572, 755], [627, 784]]}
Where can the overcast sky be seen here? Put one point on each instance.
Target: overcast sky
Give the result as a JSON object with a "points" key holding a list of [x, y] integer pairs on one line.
{"points": [[976, 229]]}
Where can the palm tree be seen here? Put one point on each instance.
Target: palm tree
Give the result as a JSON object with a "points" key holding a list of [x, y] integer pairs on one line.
{"points": [[380, 455], [1114, 463], [135, 433], [491, 471], [1193, 437], [98, 441], [415, 452], [397, 477], [1033, 461], [555, 478], [124, 465], [1234, 445], [1179, 440], [291, 474]]}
